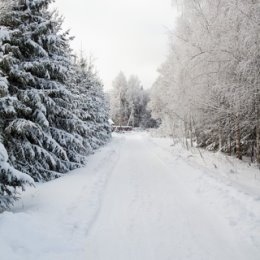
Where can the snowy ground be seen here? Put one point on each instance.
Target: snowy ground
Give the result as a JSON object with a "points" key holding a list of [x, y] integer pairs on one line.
{"points": [[140, 199]]}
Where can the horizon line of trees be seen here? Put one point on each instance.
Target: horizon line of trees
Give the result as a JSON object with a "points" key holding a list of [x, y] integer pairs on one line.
{"points": [[208, 90], [53, 111], [128, 103]]}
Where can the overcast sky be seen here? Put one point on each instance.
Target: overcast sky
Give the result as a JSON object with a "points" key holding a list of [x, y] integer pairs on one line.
{"points": [[122, 35]]}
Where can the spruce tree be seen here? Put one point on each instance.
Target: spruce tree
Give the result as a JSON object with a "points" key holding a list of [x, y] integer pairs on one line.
{"points": [[42, 135], [92, 108], [11, 180]]}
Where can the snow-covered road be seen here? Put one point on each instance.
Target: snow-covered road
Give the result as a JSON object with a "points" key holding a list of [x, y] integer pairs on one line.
{"points": [[134, 201]]}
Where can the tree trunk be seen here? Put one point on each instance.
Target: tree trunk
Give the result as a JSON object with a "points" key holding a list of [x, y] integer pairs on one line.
{"points": [[229, 138], [191, 141], [252, 152], [220, 139], [238, 139], [257, 130], [229, 144], [186, 135]]}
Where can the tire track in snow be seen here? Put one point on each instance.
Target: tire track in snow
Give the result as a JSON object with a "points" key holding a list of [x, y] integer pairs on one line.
{"points": [[81, 220]]}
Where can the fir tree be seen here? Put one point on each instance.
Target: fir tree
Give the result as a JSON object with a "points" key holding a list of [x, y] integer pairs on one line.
{"points": [[42, 135], [91, 106], [11, 180]]}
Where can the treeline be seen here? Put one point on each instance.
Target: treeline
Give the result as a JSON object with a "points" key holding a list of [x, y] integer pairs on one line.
{"points": [[128, 103], [209, 86], [52, 107]]}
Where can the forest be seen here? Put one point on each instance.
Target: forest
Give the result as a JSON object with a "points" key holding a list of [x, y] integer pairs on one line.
{"points": [[129, 103], [208, 91]]}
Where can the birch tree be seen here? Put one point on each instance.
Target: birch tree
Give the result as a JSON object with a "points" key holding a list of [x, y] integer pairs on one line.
{"points": [[210, 81]]}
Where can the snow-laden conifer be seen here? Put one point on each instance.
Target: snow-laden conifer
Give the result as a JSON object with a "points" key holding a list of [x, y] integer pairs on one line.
{"points": [[42, 135], [92, 107], [11, 181]]}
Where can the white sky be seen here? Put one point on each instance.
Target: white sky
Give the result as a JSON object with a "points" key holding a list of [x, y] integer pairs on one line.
{"points": [[122, 35]]}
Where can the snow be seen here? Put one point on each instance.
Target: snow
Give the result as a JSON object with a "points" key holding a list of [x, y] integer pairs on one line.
{"points": [[110, 121], [3, 154], [4, 34], [139, 198], [9, 172], [3, 84]]}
